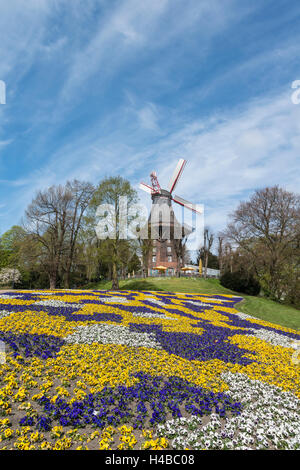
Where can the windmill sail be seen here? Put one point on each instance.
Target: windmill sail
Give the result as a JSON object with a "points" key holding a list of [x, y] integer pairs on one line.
{"points": [[188, 205], [146, 187], [176, 175]]}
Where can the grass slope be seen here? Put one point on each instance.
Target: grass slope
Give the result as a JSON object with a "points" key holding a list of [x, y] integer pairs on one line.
{"points": [[259, 307]]}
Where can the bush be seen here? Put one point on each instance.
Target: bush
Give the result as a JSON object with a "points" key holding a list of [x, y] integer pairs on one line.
{"points": [[10, 276], [240, 281]]}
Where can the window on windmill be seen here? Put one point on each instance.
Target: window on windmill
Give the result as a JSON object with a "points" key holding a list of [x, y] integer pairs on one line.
{"points": [[170, 259], [153, 259], [154, 250], [169, 249]]}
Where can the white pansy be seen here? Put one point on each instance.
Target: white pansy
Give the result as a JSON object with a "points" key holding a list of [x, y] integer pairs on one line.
{"points": [[43, 293], [156, 301], [245, 316], [200, 304], [271, 337], [114, 299], [152, 315], [4, 313], [58, 303], [269, 420], [111, 334], [7, 296]]}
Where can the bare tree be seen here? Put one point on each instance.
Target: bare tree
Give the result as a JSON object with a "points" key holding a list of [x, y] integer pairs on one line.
{"points": [[228, 257], [220, 251], [266, 229], [46, 220], [53, 219], [82, 193], [145, 248], [208, 242], [180, 251]]}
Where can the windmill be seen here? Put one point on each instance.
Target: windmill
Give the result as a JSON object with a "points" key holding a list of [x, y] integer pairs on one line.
{"points": [[166, 231]]}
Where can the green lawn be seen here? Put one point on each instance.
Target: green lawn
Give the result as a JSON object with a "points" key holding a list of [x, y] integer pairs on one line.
{"points": [[259, 307]]}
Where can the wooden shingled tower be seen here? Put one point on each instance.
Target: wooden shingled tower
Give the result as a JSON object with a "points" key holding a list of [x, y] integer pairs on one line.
{"points": [[165, 228]]}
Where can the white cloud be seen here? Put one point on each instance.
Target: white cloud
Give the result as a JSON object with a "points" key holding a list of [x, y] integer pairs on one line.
{"points": [[228, 156], [22, 27], [148, 117], [120, 32], [231, 155], [4, 143], [134, 27]]}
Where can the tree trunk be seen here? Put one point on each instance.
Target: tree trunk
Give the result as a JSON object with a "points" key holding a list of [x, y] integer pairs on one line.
{"points": [[67, 275], [52, 280], [67, 280], [115, 281], [205, 265]]}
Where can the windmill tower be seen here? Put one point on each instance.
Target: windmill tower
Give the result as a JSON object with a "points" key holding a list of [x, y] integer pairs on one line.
{"points": [[166, 230]]}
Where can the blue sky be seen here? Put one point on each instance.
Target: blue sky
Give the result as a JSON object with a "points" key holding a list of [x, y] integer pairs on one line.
{"points": [[121, 87]]}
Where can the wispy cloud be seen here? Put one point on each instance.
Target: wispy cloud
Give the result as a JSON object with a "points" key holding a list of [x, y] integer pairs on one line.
{"points": [[99, 88], [229, 156], [234, 153]]}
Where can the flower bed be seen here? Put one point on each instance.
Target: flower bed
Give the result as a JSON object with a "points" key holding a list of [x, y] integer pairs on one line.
{"points": [[141, 370]]}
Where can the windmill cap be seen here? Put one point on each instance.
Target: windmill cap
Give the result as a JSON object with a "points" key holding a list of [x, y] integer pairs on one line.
{"points": [[163, 192]]}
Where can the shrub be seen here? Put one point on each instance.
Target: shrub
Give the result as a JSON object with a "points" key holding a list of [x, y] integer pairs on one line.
{"points": [[240, 281], [9, 276]]}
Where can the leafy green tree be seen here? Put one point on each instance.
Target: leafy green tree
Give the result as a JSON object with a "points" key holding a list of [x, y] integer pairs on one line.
{"points": [[10, 245], [212, 260], [108, 193], [134, 264]]}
